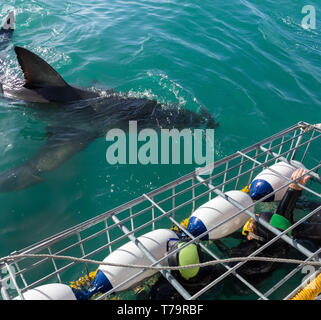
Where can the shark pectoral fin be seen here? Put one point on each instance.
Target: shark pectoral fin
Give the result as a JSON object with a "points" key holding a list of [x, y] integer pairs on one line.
{"points": [[37, 72], [19, 178], [62, 143]]}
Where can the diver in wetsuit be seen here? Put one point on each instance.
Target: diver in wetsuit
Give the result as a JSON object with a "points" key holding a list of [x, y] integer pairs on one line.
{"points": [[195, 279], [257, 235], [192, 279], [310, 229]]}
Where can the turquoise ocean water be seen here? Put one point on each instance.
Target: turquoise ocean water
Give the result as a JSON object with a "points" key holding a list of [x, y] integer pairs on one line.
{"points": [[249, 63]]}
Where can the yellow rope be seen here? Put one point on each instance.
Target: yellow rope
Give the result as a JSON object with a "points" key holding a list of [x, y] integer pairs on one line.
{"points": [[83, 281], [246, 189], [184, 224], [311, 291]]}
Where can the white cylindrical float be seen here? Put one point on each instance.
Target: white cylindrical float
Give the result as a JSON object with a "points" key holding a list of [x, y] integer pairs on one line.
{"points": [[267, 181], [216, 211], [108, 277], [52, 291]]}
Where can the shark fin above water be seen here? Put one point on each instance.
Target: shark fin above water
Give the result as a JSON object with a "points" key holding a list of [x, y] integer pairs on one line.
{"points": [[37, 72], [43, 83]]}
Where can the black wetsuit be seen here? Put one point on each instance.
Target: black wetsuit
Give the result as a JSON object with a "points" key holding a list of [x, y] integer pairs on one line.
{"points": [[311, 228], [258, 270], [163, 290]]}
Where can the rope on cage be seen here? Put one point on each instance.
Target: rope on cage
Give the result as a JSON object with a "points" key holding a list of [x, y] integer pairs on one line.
{"points": [[310, 291]]}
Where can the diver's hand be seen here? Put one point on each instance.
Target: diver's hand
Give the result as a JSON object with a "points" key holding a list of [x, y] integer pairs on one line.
{"points": [[303, 180]]}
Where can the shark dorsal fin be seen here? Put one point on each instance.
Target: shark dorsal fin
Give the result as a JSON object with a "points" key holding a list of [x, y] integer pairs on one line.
{"points": [[37, 72]]}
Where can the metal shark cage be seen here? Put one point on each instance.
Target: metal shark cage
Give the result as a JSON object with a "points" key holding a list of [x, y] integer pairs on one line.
{"points": [[167, 206]]}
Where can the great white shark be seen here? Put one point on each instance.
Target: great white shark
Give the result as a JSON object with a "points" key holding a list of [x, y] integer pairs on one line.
{"points": [[78, 116]]}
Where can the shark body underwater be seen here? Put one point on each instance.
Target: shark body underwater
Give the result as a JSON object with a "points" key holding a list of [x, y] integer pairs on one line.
{"points": [[81, 116]]}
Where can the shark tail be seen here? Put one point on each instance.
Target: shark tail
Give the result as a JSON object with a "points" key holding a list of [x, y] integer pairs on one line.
{"points": [[8, 26], [9, 23]]}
